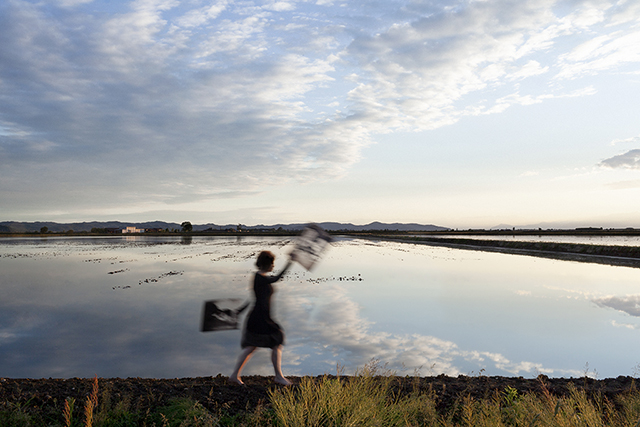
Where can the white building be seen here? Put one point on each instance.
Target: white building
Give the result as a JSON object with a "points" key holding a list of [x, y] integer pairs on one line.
{"points": [[133, 230]]}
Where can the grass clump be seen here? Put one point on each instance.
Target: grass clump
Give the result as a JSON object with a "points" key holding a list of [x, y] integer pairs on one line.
{"points": [[574, 410], [12, 415], [369, 401], [184, 412], [363, 400]]}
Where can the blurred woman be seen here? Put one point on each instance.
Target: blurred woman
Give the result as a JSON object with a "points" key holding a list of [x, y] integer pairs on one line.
{"points": [[260, 330]]}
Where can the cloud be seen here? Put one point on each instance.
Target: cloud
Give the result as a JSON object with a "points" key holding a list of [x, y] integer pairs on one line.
{"points": [[126, 106], [629, 304], [416, 73], [625, 325], [333, 324], [198, 17], [624, 185], [531, 68], [632, 140], [161, 99], [628, 160], [280, 6], [615, 48], [626, 11]]}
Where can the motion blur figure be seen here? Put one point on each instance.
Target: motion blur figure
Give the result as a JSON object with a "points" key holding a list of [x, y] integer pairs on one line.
{"points": [[260, 330]]}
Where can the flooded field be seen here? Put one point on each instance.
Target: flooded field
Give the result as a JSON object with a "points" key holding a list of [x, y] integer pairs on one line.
{"points": [[131, 307], [588, 240]]}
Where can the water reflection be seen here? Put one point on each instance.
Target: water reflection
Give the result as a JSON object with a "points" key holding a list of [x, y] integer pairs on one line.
{"points": [[632, 240], [629, 304], [131, 306]]}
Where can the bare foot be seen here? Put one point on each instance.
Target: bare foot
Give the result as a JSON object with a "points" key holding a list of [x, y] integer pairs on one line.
{"points": [[236, 381], [282, 381]]}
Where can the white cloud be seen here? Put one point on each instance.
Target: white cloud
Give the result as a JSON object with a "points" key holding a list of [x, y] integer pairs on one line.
{"points": [[629, 304], [72, 3], [197, 17], [624, 185], [602, 53], [280, 6], [626, 11], [632, 140], [628, 160], [418, 72], [332, 322], [625, 325], [531, 68], [589, 14]]}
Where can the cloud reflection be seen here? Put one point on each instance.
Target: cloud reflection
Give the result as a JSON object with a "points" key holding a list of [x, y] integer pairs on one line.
{"points": [[629, 304], [330, 322]]}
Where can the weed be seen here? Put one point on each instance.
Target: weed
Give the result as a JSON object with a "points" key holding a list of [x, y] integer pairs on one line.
{"points": [[91, 403], [14, 416], [635, 372], [362, 400], [67, 413], [185, 412]]}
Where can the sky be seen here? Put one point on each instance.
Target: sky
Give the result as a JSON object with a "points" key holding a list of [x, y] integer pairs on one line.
{"points": [[463, 114]]}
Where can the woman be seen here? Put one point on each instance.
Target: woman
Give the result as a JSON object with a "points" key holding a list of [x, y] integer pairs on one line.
{"points": [[260, 329]]}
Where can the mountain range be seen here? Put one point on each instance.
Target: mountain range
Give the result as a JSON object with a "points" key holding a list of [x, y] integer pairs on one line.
{"points": [[30, 227]]}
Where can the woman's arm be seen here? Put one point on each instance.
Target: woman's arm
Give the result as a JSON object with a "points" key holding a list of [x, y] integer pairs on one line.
{"points": [[278, 276]]}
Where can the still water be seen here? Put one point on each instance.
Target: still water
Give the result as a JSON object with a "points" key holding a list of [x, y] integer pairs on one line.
{"points": [[131, 307], [587, 240]]}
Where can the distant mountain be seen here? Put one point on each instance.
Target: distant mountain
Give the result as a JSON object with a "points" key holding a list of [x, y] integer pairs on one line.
{"points": [[383, 226], [337, 226], [31, 227], [503, 227]]}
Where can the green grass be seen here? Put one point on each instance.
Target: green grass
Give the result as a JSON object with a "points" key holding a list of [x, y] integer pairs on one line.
{"points": [[368, 398]]}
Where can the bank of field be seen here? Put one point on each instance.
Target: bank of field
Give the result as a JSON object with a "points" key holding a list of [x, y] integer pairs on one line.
{"points": [[365, 399]]}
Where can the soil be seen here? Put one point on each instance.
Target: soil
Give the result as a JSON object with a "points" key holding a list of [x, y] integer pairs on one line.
{"points": [[217, 395]]}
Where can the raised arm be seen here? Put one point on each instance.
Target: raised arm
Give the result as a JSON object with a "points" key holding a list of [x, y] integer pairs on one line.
{"points": [[283, 272]]}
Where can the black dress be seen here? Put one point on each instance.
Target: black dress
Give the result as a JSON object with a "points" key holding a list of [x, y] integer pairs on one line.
{"points": [[260, 329]]}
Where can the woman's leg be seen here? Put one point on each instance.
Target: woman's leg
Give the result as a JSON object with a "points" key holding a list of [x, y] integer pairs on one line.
{"points": [[276, 357], [244, 357]]}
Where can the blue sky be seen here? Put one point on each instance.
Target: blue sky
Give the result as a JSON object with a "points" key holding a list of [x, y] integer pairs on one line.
{"points": [[455, 113]]}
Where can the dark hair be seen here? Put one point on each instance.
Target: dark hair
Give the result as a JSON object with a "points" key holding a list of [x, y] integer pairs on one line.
{"points": [[265, 260]]}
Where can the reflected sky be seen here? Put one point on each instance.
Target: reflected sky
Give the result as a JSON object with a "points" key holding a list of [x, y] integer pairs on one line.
{"points": [[131, 306]]}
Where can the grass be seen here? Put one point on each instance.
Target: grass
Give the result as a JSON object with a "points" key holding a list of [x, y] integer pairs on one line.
{"points": [[362, 400], [368, 398]]}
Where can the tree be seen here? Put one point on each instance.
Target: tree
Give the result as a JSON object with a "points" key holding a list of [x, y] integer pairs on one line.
{"points": [[44, 230], [186, 227]]}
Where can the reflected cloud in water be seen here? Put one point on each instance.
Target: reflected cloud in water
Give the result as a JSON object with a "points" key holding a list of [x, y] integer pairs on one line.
{"points": [[118, 307], [629, 304]]}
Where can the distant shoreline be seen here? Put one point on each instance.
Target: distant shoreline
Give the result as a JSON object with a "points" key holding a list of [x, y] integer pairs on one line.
{"points": [[618, 232], [624, 256]]}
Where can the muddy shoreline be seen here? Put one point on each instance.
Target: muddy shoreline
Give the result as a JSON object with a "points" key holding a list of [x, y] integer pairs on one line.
{"points": [[216, 394]]}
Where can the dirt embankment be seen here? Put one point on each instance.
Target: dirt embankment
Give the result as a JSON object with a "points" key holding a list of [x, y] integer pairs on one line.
{"points": [[48, 395]]}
